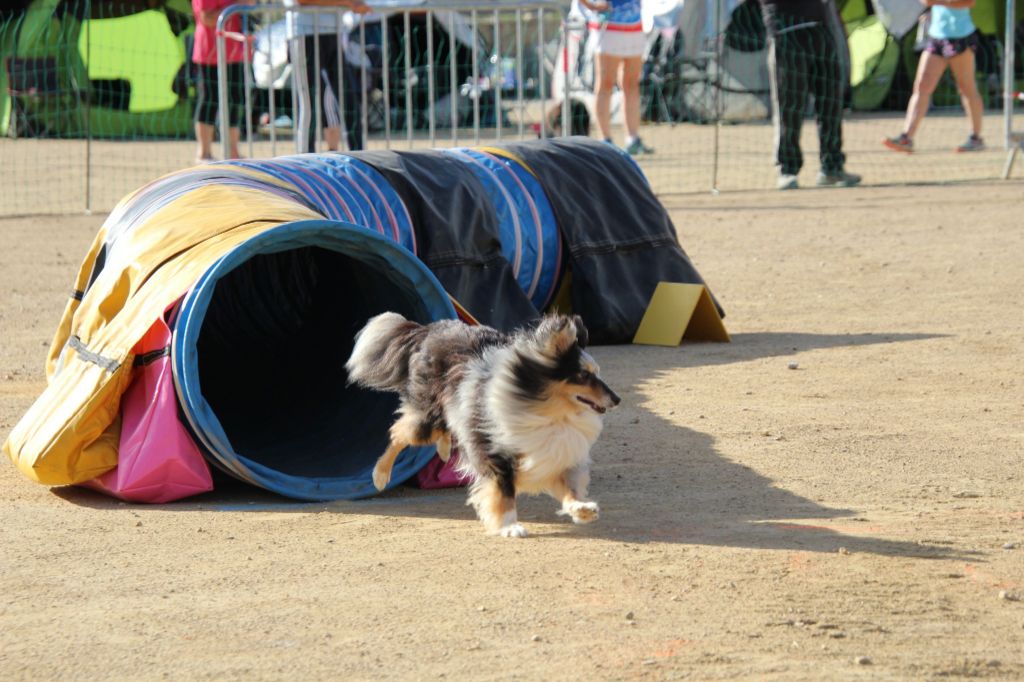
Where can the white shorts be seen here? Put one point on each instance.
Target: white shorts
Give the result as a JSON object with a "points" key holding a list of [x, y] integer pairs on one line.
{"points": [[619, 43]]}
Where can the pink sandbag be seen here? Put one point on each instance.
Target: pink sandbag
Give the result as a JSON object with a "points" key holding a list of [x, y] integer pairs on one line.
{"points": [[438, 474], [157, 459]]}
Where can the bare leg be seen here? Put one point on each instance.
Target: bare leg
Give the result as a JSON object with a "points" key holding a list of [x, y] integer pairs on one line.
{"points": [[333, 138], [204, 136], [571, 490], [234, 134], [631, 69], [962, 67], [929, 71], [604, 83]]}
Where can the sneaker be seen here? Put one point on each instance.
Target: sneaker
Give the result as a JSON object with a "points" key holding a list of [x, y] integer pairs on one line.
{"points": [[637, 147], [786, 182], [973, 144], [900, 143], [838, 179]]}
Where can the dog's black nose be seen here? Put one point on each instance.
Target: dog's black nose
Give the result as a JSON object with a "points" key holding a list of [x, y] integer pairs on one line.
{"points": [[615, 398]]}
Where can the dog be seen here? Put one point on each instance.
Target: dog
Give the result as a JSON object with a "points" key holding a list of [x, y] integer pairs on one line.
{"points": [[524, 408]]}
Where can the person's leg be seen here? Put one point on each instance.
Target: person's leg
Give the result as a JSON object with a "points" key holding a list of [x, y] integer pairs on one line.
{"points": [[929, 71], [788, 82], [236, 102], [352, 79], [329, 92], [828, 86], [631, 70], [204, 138], [205, 112], [963, 70], [332, 137], [234, 135], [606, 67]]}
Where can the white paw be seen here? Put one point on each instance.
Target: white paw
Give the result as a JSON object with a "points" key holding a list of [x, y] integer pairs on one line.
{"points": [[381, 476], [582, 512], [514, 530], [444, 449]]}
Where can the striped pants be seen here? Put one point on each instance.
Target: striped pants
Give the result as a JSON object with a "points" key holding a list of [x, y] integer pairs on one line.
{"points": [[304, 53]]}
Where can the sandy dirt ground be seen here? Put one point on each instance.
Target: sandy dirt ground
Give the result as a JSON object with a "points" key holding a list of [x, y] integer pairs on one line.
{"points": [[836, 494]]}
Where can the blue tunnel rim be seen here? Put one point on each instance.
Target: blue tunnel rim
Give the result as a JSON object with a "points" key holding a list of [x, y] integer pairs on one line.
{"points": [[333, 235]]}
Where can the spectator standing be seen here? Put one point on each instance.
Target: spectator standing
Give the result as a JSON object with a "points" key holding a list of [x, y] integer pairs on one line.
{"points": [[806, 49], [204, 57], [952, 42], [617, 29], [310, 35]]}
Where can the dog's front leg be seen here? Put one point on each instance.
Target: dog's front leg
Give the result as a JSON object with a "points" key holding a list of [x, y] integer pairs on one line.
{"points": [[571, 489], [494, 499]]}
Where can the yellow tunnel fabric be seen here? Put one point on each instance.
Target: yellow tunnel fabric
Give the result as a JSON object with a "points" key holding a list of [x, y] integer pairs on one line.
{"points": [[70, 434]]}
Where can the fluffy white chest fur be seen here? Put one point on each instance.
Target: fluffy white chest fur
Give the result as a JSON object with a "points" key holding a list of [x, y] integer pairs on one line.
{"points": [[548, 446]]}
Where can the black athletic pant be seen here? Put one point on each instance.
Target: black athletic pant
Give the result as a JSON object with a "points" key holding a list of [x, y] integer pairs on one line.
{"points": [[803, 60], [350, 79], [207, 103]]}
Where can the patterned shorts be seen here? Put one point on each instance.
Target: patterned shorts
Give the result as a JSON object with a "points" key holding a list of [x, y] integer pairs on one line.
{"points": [[948, 48]]}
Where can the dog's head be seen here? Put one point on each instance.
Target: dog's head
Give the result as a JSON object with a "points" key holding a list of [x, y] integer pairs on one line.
{"points": [[556, 367]]}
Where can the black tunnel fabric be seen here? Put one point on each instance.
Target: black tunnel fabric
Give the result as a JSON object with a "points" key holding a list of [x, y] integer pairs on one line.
{"points": [[619, 238], [457, 233]]}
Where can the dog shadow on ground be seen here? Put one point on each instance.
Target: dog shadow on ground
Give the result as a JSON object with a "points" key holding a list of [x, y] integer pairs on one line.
{"points": [[686, 492]]}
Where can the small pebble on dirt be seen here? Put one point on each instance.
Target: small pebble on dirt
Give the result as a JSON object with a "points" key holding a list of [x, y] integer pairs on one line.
{"points": [[793, 365], [630, 615], [1010, 545], [1008, 596], [843, 550], [535, 638], [862, 660]]}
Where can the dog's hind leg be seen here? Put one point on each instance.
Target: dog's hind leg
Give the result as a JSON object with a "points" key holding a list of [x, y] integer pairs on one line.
{"points": [[571, 489], [444, 445], [408, 430], [382, 469]]}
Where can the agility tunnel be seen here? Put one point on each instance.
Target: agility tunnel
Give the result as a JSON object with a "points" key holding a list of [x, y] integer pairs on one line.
{"points": [[262, 272]]}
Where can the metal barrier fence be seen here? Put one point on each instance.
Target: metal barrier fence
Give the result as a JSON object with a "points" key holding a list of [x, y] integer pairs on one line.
{"points": [[704, 144], [352, 30], [96, 98], [1013, 139]]}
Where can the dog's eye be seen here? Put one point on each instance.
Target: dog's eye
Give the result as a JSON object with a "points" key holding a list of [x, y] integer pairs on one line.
{"points": [[582, 377]]}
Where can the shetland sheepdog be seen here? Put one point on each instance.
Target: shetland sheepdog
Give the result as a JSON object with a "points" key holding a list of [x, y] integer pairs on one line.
{"points": [[523, 408]]}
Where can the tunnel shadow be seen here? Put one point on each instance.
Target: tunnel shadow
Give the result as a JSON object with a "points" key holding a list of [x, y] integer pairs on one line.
{"points": [[682, 491]]}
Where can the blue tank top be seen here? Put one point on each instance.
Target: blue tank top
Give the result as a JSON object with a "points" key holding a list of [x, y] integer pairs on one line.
{"points": [[623, 15], [948, 23]]}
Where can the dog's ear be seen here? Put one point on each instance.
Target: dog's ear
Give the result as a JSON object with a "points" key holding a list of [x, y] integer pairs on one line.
{"points": [[557, 334], [582, 335]]}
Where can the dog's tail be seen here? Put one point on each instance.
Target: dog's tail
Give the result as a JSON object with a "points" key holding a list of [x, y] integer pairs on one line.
{"points": [[380, 358]]}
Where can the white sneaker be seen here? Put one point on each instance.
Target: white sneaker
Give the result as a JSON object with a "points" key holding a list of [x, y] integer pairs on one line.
{"points": [[786, 182]]}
